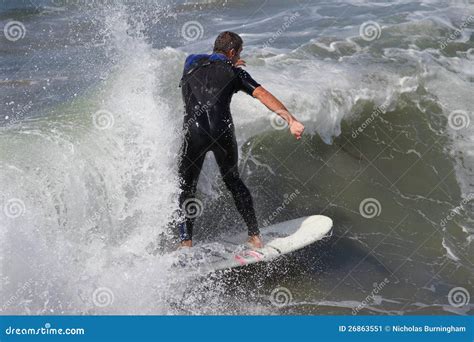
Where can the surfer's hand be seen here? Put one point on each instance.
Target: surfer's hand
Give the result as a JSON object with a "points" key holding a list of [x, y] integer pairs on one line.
{"points": [[240, 62], [296, 128]]}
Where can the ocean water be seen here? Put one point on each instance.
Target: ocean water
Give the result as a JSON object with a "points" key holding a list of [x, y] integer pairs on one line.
{"points": [[90, 126]]}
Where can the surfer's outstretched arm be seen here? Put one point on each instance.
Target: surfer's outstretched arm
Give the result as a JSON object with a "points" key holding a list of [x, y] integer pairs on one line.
{"points": [[275, 105]]}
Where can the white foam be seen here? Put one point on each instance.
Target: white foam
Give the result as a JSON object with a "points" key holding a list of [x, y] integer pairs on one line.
{"points": [[449, 251]]}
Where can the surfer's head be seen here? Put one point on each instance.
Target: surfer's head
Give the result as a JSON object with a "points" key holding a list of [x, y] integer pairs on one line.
{"points": [[229, 44]]}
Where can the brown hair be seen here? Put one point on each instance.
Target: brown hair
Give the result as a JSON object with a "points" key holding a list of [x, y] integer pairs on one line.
{"points": [[227, 41]]}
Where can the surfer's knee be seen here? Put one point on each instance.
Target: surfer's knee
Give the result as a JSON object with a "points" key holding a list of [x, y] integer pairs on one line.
{"points": [[232, 180]]}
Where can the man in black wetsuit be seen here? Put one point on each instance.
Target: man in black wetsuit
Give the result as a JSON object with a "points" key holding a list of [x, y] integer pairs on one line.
{"points": [[208, 83]]}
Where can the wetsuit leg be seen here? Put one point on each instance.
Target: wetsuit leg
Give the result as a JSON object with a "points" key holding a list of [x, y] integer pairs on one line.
{"points": [[226, 154], [190, 164]]}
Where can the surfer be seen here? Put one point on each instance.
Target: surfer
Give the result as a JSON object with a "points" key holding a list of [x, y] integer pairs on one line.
{"points": [[208, 83]]}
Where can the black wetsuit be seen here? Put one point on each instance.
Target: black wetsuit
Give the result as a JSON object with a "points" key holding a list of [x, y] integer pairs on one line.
{"points": [[208, 83]]}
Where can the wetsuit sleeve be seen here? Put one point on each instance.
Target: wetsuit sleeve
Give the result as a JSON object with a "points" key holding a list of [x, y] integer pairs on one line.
{"points": [[245, 82]]}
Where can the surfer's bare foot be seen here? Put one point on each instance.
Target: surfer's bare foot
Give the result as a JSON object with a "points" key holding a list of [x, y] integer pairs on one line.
{"points": [[186, 243], [255, 241]]}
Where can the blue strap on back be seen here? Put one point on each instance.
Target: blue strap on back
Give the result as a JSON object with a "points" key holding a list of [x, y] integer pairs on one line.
{"points": [[194, 60]]}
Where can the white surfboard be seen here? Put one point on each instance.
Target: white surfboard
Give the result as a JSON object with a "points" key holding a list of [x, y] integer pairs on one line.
{"points": [[232, 251]]}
